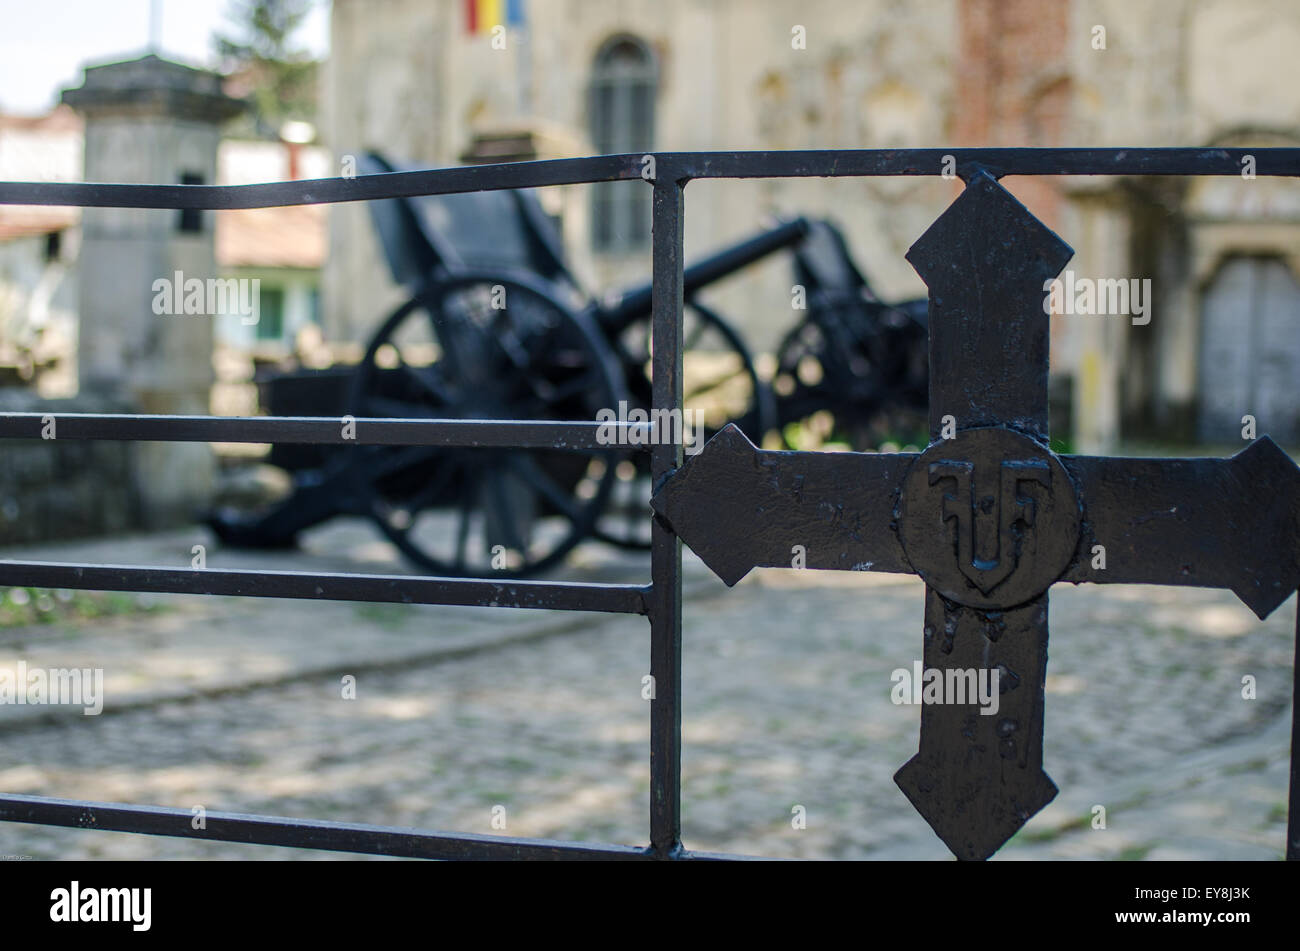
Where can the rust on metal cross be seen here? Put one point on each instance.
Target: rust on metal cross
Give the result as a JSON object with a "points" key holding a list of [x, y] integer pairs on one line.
{"points": [[990, 518]]}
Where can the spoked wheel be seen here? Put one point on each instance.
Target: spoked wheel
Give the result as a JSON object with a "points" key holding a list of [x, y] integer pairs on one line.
{"points": [[862, 387], [720, 385], [485, 348]]}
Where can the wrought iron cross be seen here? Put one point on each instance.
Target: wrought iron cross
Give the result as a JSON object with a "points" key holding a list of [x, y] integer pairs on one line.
{"points": [[991, 518]]}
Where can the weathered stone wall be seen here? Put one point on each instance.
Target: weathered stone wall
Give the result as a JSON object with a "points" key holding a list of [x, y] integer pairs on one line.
{"points": [[64, 488]]}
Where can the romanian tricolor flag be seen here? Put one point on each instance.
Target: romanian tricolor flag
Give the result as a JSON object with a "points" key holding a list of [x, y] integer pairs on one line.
{"points": [[482, 15]]}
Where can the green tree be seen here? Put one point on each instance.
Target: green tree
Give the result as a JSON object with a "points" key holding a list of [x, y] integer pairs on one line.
{"points": [[263, 64]]}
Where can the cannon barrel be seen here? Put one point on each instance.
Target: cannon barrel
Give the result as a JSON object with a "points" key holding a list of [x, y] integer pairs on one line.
{"points": [[634, 303]]}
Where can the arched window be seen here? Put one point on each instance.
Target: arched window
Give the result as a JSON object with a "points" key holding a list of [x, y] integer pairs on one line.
{"points": [[624, 80]]}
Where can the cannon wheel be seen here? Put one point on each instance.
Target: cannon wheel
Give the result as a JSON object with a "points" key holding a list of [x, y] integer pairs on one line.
{"points": [[720, 384], [874, 384], [486, 347]]}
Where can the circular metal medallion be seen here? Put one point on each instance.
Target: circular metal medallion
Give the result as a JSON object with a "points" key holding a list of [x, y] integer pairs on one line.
{"points": [[989, 518]]}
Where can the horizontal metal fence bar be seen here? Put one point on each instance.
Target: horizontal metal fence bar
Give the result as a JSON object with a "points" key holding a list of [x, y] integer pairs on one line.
{"points": [[829, 163], [826, 163], [439, 181], [580, 436], [306, 585], [300, 833]]}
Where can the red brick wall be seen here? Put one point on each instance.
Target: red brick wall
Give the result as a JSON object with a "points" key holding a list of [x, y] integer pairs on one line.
{"points": [[1013, 88]]}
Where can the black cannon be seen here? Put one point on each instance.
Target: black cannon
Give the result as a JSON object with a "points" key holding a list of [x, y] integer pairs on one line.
{"points": [[861, 360], [497, 326]]}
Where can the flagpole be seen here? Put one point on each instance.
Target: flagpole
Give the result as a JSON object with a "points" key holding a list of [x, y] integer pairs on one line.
{"points": [[525, 67], [155, 26]]}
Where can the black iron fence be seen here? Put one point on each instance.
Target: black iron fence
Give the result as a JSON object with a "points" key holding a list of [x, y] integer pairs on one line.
{"points": [[1091, 499]]}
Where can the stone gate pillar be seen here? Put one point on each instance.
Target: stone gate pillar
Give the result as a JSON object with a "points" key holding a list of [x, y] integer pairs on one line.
{"points": [[150, 121]]}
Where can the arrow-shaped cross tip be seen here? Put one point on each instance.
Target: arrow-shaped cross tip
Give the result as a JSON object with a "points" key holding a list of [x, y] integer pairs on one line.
{"points": [[693, 503]]}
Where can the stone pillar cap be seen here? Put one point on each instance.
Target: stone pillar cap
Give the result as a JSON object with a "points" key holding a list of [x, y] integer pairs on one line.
{"points": [[153, 86]]}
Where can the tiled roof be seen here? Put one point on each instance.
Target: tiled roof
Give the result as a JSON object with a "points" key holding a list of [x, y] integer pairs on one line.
{"points": [[25, 221], [272, 237]]}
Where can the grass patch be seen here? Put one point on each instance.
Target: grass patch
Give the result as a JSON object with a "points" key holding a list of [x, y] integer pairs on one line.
{"points": [[387, 614], [23, 607]]}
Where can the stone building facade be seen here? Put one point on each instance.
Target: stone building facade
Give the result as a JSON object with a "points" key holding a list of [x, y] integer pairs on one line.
{"points": [[406, 77]]}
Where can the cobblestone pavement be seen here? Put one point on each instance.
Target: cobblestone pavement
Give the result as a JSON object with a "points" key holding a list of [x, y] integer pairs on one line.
{"points": [[236, 705]]}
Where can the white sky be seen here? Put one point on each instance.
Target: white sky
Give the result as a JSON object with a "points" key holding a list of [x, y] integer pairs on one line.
{"points": [[45, 43]]}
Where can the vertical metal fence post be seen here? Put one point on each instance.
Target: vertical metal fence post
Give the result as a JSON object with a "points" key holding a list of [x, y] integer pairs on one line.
{"points": [[1293, 805], [666, 552]]}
